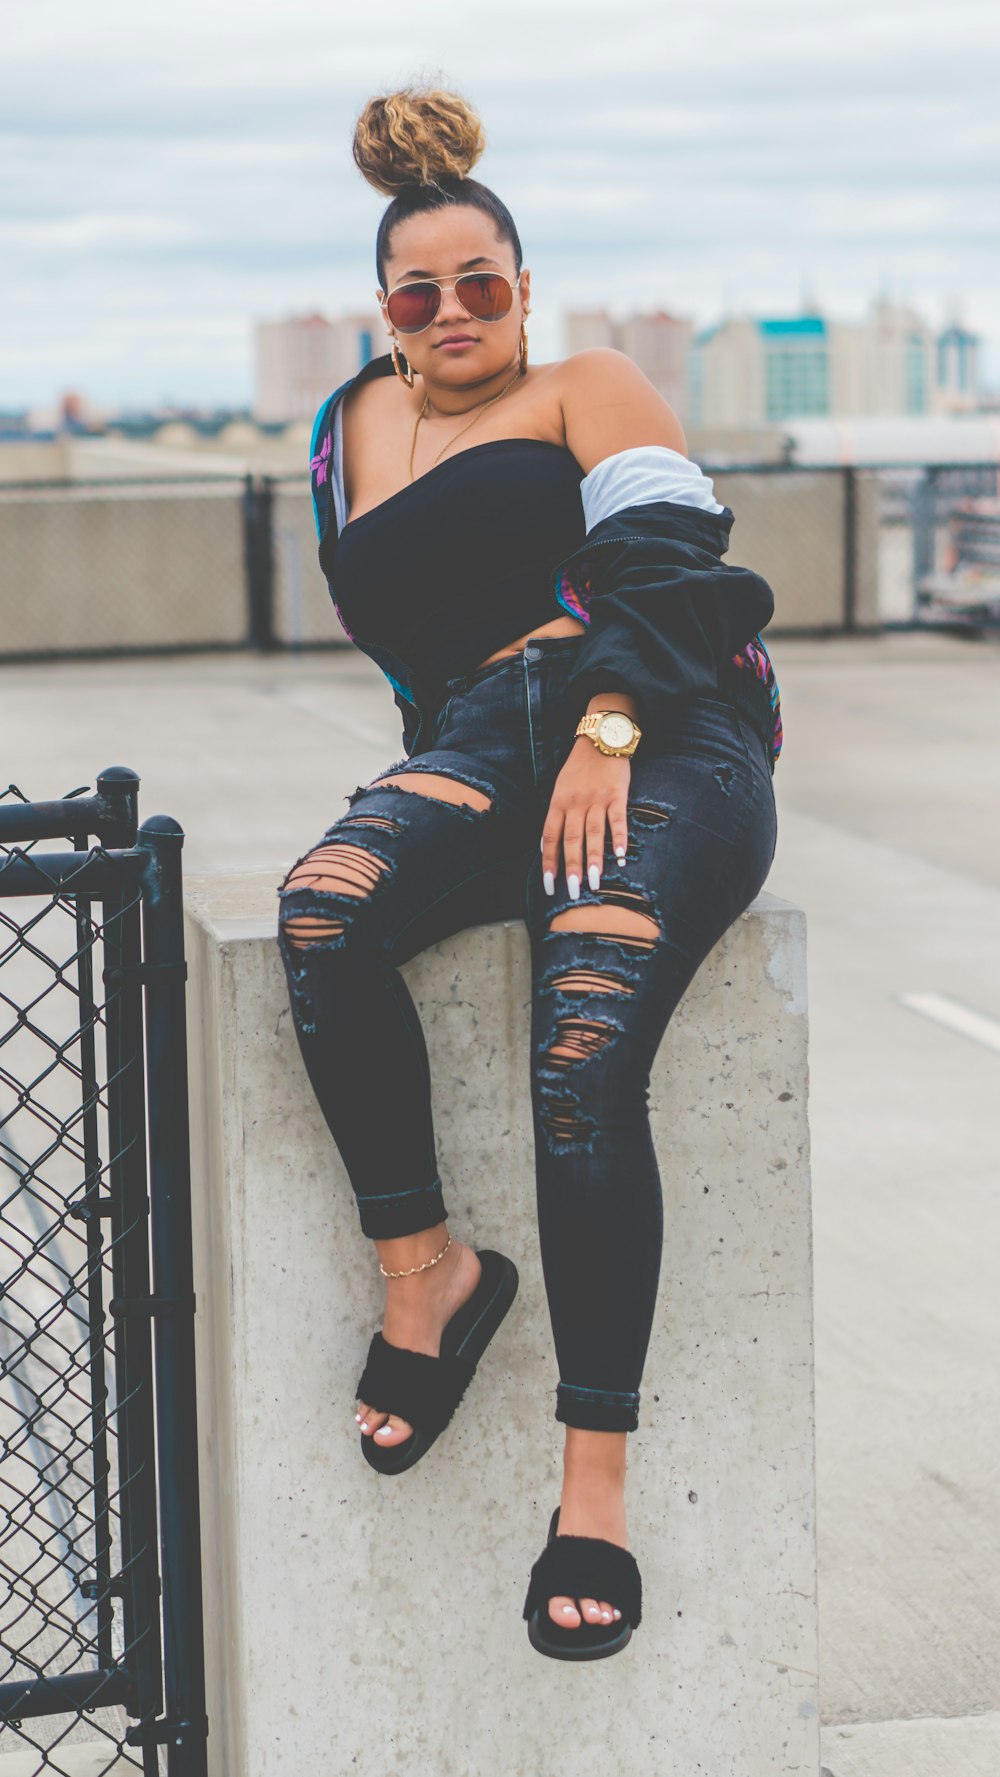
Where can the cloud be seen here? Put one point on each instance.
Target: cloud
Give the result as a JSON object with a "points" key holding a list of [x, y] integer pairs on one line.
{"points": [[194, 168]]}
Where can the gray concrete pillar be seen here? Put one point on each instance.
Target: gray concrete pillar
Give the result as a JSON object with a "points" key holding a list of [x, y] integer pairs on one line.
{"points": [[370, 1625]]}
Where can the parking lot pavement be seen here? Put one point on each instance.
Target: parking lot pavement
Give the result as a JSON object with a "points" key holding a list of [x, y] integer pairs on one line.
{"points": [[889, 837]]}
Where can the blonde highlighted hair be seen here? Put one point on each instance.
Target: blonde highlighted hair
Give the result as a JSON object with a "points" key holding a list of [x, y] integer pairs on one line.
{"points": [[418, 145], [417, 136]]}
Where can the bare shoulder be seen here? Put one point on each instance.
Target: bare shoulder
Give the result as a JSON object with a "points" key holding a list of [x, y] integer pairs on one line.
{"points": [[375, 399], [609, 404]]}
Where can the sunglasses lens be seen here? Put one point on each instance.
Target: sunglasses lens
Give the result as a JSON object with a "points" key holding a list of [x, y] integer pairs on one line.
{"points": [[413, 307], [484, 295]]}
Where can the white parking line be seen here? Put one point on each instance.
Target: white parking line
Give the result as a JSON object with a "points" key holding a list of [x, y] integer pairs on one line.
{"points": [[944, 1010]]}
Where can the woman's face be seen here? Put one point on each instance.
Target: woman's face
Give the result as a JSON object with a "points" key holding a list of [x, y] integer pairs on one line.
{"points": [[443, 244]]}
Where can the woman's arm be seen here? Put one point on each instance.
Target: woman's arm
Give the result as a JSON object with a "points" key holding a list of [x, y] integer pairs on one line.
{"points": [[663, 612], [609, 404]]}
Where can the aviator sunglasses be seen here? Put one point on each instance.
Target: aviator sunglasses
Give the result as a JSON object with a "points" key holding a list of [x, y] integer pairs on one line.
{"points": [[484, 295]]}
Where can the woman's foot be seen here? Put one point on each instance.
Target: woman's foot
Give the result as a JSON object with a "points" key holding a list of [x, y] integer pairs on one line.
{"points": [[418, 1308], [592, 1504]]}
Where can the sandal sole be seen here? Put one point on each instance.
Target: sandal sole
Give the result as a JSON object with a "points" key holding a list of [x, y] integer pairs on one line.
{"points": [[593, 1650]]}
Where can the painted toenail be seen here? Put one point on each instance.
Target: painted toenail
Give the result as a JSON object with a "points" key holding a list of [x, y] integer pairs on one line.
{"points": [[357, 1418], [567, 1610], [605, 1616], [617, 1613], [384, 1431]]}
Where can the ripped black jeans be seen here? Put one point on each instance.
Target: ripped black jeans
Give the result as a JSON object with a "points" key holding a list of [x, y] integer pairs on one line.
{"points": [[701, 838]]}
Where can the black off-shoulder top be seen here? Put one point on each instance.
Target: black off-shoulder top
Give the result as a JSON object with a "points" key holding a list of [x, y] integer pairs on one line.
{"points": [[459, 563]]}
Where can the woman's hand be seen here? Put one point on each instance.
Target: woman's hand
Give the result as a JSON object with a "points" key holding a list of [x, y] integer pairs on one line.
{"points": [[590, 794]]}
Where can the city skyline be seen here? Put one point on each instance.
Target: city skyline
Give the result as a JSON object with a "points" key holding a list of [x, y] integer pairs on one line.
{"points": [[166, 185]]}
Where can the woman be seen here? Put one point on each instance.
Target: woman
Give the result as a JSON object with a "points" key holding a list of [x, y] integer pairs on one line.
{"points": [[590, 729]]}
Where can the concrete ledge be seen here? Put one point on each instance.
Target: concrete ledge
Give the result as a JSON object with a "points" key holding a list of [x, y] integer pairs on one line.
{"points": [[370, 1625]]}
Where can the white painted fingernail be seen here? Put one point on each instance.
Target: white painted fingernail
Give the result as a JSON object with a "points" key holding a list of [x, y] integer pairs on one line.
{"points": [[594, 876], [573, 884], [541, 843], [619, 852], [550, 882]]}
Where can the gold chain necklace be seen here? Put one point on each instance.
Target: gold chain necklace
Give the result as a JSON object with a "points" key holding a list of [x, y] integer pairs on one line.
{"points": [[465, 428]]}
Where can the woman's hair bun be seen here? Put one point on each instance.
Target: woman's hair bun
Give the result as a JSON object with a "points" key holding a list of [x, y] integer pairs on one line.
{"points": [[417, 136]]}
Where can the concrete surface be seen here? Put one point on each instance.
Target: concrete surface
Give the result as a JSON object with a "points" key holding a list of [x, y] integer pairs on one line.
{"points": [[964, 1746], [790, 527], [888, 838], [392, 1600]]}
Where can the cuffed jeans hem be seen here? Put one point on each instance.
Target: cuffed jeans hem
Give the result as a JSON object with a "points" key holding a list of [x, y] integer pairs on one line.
{"points": [[596, 1409], [402, 1212]]}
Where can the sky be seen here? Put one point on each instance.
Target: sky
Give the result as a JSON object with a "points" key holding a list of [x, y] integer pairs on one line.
{"points": [[170, 176]]}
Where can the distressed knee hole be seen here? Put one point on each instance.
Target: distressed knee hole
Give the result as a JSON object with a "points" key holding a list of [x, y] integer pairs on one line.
{"points": [[617, 917], [563, 1120], [578, 1039], [589, 981], [648, 814], [337, 869], [384, 821], [303, 930], [439, 787]]}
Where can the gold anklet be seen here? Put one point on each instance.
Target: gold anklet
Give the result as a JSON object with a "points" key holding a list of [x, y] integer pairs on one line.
{"points": [[414, 1268]]}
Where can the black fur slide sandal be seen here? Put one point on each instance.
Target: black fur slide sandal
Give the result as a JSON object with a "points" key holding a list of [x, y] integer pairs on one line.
{"points": [[424, 1390], [582, 1567]]}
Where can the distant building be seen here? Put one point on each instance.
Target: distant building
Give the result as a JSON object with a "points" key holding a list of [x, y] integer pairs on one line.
{"points": [[957, 369], [658, 342], [585, 329], [301, 360], [761, 372]]}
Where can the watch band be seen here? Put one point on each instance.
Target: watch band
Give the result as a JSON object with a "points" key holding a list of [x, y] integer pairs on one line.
{"points": [[590, 726]]}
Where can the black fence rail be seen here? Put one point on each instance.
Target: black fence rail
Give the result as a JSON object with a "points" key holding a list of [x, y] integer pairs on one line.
{"points": [[205, 561], [101, 1638]]}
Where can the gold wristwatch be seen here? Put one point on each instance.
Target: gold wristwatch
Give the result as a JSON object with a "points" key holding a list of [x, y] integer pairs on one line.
{"points": [[611, 731]]}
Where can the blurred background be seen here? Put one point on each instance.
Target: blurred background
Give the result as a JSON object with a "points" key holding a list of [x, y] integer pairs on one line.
{"points": [[786, 214], [781, 212]]}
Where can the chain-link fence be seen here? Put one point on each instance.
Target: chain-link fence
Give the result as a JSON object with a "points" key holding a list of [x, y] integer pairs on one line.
{"points": [[88, 1655], [226, 562]]}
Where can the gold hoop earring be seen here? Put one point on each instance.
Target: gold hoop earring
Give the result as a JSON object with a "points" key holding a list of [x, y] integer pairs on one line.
{"points": [[402, 375], [522, 353]]}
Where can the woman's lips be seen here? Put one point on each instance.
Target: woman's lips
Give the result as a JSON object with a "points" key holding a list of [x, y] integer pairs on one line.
{"points": [[452, 345]]}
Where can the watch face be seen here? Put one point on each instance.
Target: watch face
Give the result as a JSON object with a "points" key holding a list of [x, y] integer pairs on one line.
{"points": [[615, 730]]}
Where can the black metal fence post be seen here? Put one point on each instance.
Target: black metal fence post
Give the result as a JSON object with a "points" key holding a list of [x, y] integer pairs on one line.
{"points": [[924, 520], [258, 541], [118, 789], [173, 1304], [850, 550]]}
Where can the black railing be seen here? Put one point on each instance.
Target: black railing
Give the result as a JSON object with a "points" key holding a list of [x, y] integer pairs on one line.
{"points": [[101, 1630], [214, 562]]}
